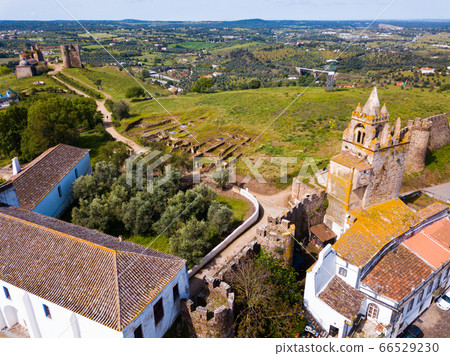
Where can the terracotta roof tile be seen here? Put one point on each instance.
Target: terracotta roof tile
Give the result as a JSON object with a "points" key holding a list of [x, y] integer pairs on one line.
{"points": [[323, 232], [428, 246], [375, 227], [34, 182], [343, 298], [431, 210], [90, 273], [397, 273], [348, 159]]}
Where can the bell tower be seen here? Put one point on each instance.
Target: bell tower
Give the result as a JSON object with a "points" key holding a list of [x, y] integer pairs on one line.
{"points": [[370, 167]]}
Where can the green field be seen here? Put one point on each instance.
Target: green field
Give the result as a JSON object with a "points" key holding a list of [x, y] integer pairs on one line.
{"points": [[10, 81], [195, 45], [311, 126], [114, 81]]}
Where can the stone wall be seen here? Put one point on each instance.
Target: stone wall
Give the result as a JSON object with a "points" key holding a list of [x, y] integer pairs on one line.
{"points": [[417, 151], [427, 135], [244, 256], [277, 238], [210, 314], [440, 132], [309, 209], [71, 56]]}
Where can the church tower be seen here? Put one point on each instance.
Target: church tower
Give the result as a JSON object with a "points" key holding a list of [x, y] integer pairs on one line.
{"points": [[370, 167]]}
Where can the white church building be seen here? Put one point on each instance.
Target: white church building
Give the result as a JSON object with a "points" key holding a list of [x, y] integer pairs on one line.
{"points": [[45, 185], [61, 280]]}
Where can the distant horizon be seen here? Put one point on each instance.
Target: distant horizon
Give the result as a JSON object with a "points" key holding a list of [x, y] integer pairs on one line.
{"points": [[231, 10], [236, 20]]}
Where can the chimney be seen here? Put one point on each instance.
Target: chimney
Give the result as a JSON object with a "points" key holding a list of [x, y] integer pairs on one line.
{"points": [[16, 166], [120, 238]]}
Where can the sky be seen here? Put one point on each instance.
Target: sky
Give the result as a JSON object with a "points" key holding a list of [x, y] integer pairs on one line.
{"points": [[213, 10]]}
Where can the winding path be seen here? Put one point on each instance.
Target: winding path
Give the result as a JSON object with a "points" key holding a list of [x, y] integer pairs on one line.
{"points": [[106, 119], [270, 205]]}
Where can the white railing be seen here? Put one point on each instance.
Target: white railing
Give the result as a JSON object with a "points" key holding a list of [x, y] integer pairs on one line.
{"points": [[230, 238]]}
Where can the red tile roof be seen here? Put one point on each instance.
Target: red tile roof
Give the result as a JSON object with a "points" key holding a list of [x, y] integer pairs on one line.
{"points": [[432, 243], [397, 273], [343, 298], [88, 272], [34, 182]]}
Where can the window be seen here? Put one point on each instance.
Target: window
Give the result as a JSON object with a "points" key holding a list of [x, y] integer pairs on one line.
{"points": [[342, 271], [372, 311], [158, 310], [430, 288], [47, 311], [138, 334], [7, 295], [421, 295], [76, 173], [410, 305], [59, 191], [176, 293]]}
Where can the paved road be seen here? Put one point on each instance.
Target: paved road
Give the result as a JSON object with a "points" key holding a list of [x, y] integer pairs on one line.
{"points": [[270, 205], [434, 322], [440, 192]]}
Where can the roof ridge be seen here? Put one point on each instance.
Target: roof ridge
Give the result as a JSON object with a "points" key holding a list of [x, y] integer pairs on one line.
{"points": [[33, 163], [435, 240], [10, 217]]}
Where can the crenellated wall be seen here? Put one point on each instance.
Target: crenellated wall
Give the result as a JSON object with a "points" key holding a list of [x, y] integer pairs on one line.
{"points": [[210, 314]]}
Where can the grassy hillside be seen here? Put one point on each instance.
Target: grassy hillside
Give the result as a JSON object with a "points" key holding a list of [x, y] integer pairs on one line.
{"points": [[114, 81], [312, 126], [10, 81]]}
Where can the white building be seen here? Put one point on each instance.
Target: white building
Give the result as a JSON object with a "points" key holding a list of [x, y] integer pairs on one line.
{"points": [[427, 70], [45, 185], [382, 271], [62, 280]]}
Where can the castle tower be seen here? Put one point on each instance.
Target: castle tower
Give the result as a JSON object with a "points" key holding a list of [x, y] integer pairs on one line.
{"points": [[420, 136], [370, 167], [71, 56]]}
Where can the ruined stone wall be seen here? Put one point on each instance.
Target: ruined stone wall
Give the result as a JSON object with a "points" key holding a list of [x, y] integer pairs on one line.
{"points": [[440, 132], [24, 71], [309, 210], [211, 314], [244, 256], [277, 238], [71, 56], [420, 136]]}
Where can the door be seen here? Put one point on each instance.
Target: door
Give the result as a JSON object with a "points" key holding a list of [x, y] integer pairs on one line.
{"points": [[11, 316]]}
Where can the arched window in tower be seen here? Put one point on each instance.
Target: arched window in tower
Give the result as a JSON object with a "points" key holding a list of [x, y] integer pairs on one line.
{"points": [[360, 134]]}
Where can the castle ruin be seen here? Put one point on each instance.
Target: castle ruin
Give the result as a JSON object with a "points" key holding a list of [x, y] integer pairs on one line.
{"points": [[31, 63], [427, 135], [210, 314], [71, 56]]}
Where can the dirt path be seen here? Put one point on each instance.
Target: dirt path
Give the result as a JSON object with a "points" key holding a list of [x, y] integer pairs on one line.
{"points": [[106, 119], [270, 205]]}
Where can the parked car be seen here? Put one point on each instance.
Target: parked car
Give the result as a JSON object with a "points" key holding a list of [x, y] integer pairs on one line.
{"points": [[443, 301], [411, 332]]}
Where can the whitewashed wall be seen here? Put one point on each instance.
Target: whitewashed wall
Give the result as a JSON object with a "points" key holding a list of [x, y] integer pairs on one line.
{"points": [[230, 238], [65, 323], [171, 309], [53, 205]]}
